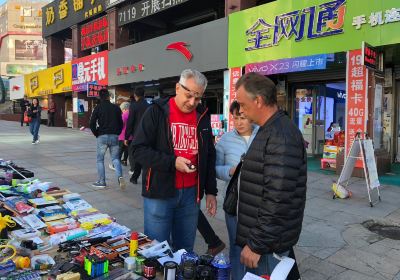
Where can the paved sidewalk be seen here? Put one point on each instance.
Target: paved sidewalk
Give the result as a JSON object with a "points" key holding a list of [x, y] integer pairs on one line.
{"points": [[333, 243]]}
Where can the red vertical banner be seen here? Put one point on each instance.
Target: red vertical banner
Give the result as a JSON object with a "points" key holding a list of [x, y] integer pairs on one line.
{"points": [[356, 99], [234, 75]]}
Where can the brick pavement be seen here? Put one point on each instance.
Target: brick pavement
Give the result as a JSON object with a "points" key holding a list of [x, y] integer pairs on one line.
{"points": [[333, 243]]}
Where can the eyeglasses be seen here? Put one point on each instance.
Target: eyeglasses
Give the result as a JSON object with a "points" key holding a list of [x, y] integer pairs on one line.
{"points": [[194, 93]]}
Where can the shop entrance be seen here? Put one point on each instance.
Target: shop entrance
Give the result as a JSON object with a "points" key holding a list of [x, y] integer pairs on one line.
{"points": [[319, 112], [397, 130]]}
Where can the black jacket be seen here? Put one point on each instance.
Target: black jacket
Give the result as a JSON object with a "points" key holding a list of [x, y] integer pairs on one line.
{"points": [[154, 150], [136, 112], [24, 104], [272, 191], [106, 119], [33, 115]]}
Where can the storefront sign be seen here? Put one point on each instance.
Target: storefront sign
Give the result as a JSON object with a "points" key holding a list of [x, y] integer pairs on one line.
{"points": [[28, 49], [94, 33], [49, 81], [377, 18], [62, 14], [17, 89], [356, 101], [234, 75], [371, 56], [144, 9], [89, 69], [22, 69], [161, 63], [23, 18], [182, 48], [93, 90], [298, 64], [111, 3], [125, 70], [285, 29]]}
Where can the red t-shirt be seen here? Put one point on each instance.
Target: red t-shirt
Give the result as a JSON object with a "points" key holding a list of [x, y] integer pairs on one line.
{"points": [[184, 138]]}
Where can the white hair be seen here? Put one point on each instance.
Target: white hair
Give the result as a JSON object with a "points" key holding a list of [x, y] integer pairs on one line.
{"points": [[124, 106], [198, 77]]}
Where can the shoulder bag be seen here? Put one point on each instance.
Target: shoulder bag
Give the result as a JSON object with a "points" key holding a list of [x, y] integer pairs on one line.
{"points": [[232, 192]]}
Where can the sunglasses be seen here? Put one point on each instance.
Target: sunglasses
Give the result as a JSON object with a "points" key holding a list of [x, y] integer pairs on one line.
{"points": [[194, 93]]}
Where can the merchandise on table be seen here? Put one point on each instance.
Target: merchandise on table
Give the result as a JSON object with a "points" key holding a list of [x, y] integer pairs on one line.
{"points": [[54, 233]]}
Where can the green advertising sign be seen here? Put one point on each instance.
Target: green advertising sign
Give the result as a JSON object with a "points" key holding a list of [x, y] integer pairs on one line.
{"points": [[292, 28]]}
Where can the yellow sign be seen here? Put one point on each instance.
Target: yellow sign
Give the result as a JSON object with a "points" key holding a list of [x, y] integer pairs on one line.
{"points": [[57, 79]]}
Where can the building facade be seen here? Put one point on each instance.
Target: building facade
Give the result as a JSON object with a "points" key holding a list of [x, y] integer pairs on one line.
{"points": [[22, 49], [315, 53], [97, 30]]}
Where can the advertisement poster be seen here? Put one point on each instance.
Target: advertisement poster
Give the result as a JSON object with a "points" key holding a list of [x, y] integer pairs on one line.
{"points": [[234, 75], [298, 64], [378, 125], [28, 49], [17, 89], [81, 107], [94, 33], [356, 101], [52, 80], [22, 69], [93, 90], [90, 69], [216, 124]]}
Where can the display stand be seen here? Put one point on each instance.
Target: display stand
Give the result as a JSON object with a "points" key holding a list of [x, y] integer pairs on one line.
{"points": [[361, 149]]}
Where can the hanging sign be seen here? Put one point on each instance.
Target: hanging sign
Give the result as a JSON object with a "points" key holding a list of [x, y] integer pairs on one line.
{"points": [[234, 75], [356, 101]]}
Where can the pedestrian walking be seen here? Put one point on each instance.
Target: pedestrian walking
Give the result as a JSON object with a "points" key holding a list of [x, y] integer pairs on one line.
{"points": [[214, 243], [272, 192], [106, 124], [136, 112], [175, 146], [51, 113], [24, 104], [35, 111], [124, 148], [230, 149]]}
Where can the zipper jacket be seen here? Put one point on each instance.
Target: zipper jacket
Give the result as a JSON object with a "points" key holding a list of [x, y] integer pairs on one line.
{"points": [[153, 149]]}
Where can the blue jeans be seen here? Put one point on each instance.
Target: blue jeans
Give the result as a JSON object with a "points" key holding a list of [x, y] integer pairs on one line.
{"points": [[266, 264], [34, 128], [173, 219], [238, 270], [103, 142]]}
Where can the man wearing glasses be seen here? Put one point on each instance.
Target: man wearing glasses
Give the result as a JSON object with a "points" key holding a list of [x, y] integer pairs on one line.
{"points": [[175, 147]]}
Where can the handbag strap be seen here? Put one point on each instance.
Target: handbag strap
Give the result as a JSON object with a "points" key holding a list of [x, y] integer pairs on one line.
{"points": [[235, 176]]}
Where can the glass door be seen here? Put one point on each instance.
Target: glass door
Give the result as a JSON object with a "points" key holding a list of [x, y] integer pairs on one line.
{"points": [[397, 130], [310, 115], [320, 122]]}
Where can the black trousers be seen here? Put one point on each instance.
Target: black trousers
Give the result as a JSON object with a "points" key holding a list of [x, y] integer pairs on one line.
{"points": [[50, 121], [136, 168], [207, 232], [294, 273], [22, 119], [131, 161], [123, 150]]}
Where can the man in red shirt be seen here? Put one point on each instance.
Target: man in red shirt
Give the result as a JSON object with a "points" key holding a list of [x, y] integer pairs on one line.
{"points": [[174, 145]]}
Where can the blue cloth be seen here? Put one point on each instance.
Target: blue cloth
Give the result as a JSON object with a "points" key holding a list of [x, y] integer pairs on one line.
{"points": [[34, 128], [230, 148], [266, 264], [173, 218], [238, 270], [109, 141]]}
